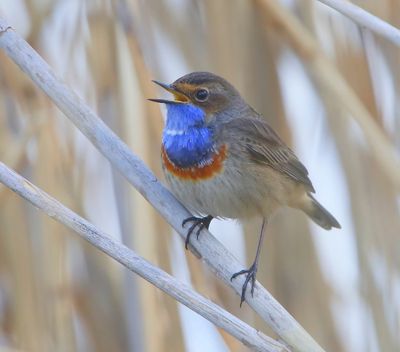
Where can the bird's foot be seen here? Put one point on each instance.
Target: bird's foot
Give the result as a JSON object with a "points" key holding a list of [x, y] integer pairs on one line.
{"points": [[200, 223], [250, 276]]}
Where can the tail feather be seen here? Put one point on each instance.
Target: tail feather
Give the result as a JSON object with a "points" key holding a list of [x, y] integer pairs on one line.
{"points": [[319, 214]]}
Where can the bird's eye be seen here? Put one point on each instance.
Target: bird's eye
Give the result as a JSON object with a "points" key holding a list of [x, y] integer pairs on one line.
{"points": [[202, 95]]}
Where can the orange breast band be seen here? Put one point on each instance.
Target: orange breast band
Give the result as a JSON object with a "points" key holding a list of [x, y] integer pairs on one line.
{"points": [[196, 173]]}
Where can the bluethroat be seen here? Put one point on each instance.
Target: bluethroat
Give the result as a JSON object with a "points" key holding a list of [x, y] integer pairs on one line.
{"points": [[221, 159]]}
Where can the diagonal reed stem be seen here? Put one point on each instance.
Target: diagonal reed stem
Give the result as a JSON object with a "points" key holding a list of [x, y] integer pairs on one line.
{"points": [[252, 338], [365, 19]]}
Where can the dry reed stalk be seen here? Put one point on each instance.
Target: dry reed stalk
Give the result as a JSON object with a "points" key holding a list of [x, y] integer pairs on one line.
{"points": [[134, 129], [25, 324], [55, 285], [25, 321], [105, 71], [373, 199], [111, 327], [357, 165], [373, 205]]}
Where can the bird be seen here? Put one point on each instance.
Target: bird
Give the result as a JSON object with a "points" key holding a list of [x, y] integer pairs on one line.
{"points": [[222, 159]]}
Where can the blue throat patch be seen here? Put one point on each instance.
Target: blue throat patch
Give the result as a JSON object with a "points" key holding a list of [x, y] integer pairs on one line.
{"points": [[186, 138]]}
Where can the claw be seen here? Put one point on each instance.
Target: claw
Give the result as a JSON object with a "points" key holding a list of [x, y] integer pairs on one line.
{"points": [[250, 275], [200, 223]]}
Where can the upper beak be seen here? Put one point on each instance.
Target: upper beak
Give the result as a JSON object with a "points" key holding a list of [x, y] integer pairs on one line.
{"points": [[179, 96]]}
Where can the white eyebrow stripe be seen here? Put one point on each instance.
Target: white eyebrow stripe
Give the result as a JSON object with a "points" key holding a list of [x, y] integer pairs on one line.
{"points": [[174, 132]]}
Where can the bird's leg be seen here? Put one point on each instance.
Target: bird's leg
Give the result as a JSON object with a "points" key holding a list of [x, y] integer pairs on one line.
{"points": [[252, 271], [200, 223]]}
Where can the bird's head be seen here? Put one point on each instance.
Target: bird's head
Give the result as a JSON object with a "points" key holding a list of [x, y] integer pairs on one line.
{"points": [[204, 90]]}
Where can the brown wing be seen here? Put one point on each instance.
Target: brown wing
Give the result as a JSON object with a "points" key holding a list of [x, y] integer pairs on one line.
{"points": [[265, 147]]}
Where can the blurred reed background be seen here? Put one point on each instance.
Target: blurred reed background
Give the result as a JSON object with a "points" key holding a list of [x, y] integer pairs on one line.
{"points": [[57, 293]]}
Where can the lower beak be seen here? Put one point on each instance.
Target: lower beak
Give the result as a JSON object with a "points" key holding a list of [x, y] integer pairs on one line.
{"points": [[180, 97], [165, 101]]}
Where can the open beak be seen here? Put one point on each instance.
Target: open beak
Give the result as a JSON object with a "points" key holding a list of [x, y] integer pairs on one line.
{"points": [[180, 97]]}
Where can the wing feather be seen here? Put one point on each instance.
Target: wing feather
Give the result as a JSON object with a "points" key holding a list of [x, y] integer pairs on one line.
{"points": [[265, 147]]}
